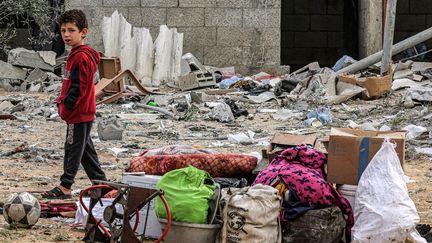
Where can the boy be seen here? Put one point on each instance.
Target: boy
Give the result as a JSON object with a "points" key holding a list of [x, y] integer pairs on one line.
{"points": [[77, 104]]}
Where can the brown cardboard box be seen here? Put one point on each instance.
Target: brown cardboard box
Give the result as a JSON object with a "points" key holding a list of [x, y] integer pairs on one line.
{"points": [[350, 151], [375, 86], [284, 140]]}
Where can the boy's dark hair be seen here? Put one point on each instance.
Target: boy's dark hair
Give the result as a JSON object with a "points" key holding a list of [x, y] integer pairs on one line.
{"points": [[75, 16]]}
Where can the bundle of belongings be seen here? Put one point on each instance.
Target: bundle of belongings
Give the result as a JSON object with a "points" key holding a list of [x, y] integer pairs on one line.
{"points": [[298, 174], [161, 161]]}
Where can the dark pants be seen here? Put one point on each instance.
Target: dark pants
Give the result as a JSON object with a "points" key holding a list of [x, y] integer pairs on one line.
{"points": [[79, 148]]}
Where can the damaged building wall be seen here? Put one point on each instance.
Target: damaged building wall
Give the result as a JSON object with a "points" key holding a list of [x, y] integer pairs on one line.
{"points": [[244, 34], [321, 30], [412, 17]]}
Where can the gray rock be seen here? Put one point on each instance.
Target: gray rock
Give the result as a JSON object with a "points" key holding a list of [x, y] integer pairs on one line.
{"points": [[52, 78], [37, 76], [23, 86], [48, 57], [17, 108], [56, 87], [5, 105], [27, 58], [110, 130], [35, 88], [222, 113], [5, 84], [8, 71]]}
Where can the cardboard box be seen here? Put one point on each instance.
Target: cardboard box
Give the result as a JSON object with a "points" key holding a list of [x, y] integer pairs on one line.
{"points": [[350, 151], [281, 141], [154, 229], [375, 86]]}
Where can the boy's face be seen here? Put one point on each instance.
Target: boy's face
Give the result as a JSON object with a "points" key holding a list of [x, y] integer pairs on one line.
{"points": [[71, 35]]}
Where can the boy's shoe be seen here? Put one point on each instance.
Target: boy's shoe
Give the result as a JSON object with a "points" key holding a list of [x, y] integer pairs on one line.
{"points": [[55, 193]]}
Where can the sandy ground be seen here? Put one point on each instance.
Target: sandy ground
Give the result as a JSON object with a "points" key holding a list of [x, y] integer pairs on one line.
{"points": [[28, 172]]}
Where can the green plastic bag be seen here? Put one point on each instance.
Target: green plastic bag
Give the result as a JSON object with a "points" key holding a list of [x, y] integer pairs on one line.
{"points": [[187, 191]]}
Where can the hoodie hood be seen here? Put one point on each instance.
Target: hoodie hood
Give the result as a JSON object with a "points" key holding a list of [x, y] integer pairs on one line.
{"points": [[91, 53]]}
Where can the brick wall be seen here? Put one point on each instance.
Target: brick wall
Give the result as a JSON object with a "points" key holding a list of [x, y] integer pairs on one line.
{"points": [[317, 30], [412, 16], [241, 33]]}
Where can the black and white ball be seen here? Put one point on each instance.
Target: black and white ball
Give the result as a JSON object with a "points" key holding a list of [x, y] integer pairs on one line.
{"points": [[22, 210]]}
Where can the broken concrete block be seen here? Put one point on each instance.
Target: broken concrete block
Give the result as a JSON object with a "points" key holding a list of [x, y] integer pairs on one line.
{"points": [[35, 88], [109, 130], [18, 108], [52, 78], [23, 86], [48, 57], [27, 58], [6, 85], [7, 71], [54, 88], [222, 112], [5, 105], [37, 76]]}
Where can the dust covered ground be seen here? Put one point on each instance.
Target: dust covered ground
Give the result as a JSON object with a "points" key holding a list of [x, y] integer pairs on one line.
{"points": [[39, 168]]}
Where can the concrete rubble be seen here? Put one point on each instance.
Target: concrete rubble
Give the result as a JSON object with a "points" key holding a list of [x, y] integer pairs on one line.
{"points": [[220, 109]]}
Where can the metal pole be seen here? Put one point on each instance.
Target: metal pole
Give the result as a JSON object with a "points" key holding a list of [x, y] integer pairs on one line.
{"points": [[388, 35], [397, 48]]}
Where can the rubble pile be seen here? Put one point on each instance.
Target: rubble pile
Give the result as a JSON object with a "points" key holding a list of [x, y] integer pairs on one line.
{"points": [[30, 71]]}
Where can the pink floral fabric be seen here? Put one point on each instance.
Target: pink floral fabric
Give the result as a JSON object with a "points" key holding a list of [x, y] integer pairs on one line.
{"points": [[302, 169]]}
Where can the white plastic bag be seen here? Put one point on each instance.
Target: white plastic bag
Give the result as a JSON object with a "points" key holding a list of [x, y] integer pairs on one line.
{"points": [[383, 211]]}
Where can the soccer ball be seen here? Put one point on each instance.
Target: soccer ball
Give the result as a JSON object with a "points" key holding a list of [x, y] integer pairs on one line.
{"points": [[22, 210]]}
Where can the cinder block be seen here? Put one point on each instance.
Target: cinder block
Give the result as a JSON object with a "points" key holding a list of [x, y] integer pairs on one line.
{"points": [[310, 6], [271, 37], [420, 7], [335, 39], [287, 39], [248, 37], [223, 17], [94, 38], [287, 6], [259, 56], [153, 16], [295, 22], [134, 17], [327, 22], [200, 36], [99, 13], [121, 3], [310, 39], [298, 56], [327, 57], [429, 20], [272, 56], [159, 3], [410, 23], [82, 3], [403, 7], [222, 56], [336, 6], [237, 37], [198, 3], [235, 3], [185, 17], [261, 17], [269, 3], [154, 32]]}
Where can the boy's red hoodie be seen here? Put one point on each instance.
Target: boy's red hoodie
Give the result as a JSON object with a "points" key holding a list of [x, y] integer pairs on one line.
{"points": [[77, 101]]}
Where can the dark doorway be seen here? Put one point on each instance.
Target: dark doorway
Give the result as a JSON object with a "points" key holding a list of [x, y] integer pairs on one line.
{"points": [[318, 30]]}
